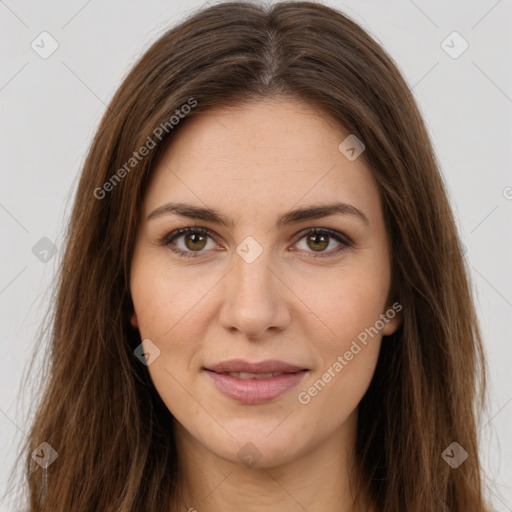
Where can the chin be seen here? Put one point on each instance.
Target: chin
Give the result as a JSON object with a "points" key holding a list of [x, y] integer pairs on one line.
{"points": [[260, 447]]}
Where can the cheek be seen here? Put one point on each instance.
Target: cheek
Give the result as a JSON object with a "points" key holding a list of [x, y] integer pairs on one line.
{"points": [[170, 309], [165, 299], [346, 304], [347, 349], [348, 337]]}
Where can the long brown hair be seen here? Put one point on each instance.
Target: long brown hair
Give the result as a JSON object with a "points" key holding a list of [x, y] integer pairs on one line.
{"points": [[99, 410]]}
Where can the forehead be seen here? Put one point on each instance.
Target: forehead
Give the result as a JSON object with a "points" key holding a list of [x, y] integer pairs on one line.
{"points": [[272, 152]]}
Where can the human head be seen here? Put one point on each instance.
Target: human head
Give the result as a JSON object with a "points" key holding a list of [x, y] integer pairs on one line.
{"points": [[255, 289], [312, 52]]}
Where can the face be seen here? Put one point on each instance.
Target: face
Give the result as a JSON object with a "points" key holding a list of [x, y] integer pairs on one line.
{"points": [[267, 276]]}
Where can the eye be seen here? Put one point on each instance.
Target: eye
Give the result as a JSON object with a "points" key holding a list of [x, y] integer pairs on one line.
{"points": [[195, 239], [319, 239]]}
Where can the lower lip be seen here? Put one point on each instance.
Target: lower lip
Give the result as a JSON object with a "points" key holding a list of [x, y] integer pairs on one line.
{"points": [[256, 391]]}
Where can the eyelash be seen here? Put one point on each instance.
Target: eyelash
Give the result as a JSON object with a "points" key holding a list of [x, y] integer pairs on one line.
{"points": [[170, 237]]}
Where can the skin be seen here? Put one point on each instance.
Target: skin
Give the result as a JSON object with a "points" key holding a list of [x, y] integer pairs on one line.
{"points": [[252, 163]]}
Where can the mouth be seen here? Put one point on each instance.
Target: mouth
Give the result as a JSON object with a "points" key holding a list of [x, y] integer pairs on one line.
{"points": [[256, 368], [259, 376], [255, 383]]}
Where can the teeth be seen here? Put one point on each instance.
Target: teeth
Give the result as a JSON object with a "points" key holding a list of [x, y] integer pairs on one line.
{"points": [[246, 376]]}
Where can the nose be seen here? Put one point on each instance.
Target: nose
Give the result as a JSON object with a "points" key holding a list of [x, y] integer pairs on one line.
{"points": [[256, 297]]}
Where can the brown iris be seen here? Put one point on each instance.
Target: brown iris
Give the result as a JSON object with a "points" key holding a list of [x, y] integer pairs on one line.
{"points": [[316, 237], [198, 241]]}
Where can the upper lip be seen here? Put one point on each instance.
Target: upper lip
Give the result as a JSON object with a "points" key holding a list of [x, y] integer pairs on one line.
{"points": [[269, 366]]}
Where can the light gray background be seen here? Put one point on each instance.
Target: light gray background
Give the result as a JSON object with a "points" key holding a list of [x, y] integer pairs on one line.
{"points": [[50, 109]]}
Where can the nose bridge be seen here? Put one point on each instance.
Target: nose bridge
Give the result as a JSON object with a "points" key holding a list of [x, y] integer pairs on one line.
{"points": [[254, 299], [252, 269]]}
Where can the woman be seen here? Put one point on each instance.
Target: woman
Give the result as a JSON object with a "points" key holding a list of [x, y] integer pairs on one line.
{"points": [[262, 303]]}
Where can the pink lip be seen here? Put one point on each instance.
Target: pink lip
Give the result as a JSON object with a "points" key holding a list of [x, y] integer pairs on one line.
{"points": [[254, 391], [269, 366]]}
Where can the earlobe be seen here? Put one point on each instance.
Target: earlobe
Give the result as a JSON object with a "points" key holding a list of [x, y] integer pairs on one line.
{"points": [[394, 319], [392, 325], [133, 321]]}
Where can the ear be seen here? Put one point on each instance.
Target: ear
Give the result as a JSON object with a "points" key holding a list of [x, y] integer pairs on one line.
{"points": [[392, 318], [133, 321]]}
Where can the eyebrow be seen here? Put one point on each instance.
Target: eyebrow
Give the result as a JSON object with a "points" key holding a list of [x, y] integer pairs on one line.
{"points": [[292, 217]]}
